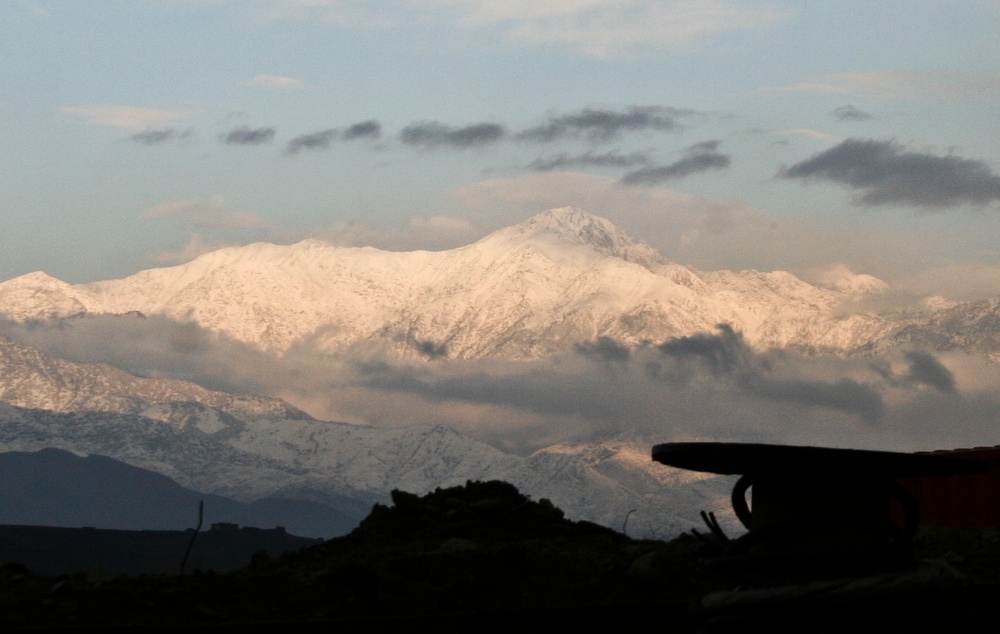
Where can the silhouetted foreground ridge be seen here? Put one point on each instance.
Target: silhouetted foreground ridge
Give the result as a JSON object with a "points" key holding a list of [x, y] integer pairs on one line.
{"points": [[453, 553], [485, 556]]}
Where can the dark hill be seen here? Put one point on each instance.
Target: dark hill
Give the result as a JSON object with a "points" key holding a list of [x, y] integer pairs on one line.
{"points": [[52, 487]]}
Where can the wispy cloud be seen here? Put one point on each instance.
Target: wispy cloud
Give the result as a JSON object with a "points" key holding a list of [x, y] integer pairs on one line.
{"points": [[248, 136], [127, 117], [604, 125], [596, 28], [886, 174], [423, 233], [806, 132], [606, 28], [590, 159], [155, 137], [204, 214], [360, 15], [431, 134], [698, 158], [274, 81], [195, 247], [850, 113], [322, 139], [903, 84]]}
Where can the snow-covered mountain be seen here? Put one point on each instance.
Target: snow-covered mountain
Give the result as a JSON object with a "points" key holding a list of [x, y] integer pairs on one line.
{"points": [[562, 277], [251, 448], [546, 286]]}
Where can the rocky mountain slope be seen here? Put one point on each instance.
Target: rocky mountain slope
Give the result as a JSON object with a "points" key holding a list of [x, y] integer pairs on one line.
{"points": [[253, 448]]}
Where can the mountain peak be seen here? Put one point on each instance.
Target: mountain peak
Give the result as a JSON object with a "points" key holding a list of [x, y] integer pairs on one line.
{"points": [[599, 233]]}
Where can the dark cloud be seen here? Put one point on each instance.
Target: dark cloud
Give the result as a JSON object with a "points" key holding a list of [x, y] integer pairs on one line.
{"points": [[530, 388], [315, 141], [432, 134], [885, 174], [431, 350], [322, 140], [604, 349], [153, 137], [603, 125], [703, 147], [248, 136], [364, 130], [850, 113], [844, 394], [924, 368], [589, 159], [727, 355], [721, 353], [699, 157]]}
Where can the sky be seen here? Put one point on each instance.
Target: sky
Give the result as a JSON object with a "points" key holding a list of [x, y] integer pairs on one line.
{"points": [[801, 136]]}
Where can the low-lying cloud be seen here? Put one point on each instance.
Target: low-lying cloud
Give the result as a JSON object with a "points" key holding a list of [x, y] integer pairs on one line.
{"points": [[709, 386], [885, 173], [727, 355], [926, 369], [197, 213]]}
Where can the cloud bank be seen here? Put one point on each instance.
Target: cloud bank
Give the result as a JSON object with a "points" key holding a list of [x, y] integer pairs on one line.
{"points": [[709, 386]]}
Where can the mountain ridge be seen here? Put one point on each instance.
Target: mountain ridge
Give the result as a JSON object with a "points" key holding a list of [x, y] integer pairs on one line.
{"points": [[525, 291]]}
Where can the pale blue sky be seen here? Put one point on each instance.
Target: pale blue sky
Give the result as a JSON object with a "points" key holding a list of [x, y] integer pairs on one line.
{"points": [[138, 133]]}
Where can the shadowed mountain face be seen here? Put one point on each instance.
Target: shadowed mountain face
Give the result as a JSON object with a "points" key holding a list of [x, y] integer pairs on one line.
{"points": [[53, 487]]}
